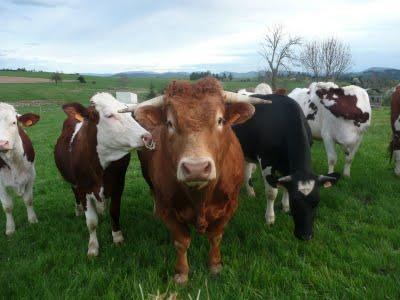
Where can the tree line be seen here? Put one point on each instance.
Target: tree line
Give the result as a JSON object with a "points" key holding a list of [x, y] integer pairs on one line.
{"points": [[220, 76]]}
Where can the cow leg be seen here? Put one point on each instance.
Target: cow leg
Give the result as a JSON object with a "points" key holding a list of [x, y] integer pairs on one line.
{"points": [[271, 194], [349, 153], [214, 256], [79, 199], [181, 236], [91, 222], [8, 206], [115, 209], [249, 168], [28, 199], [329, 144], [396, 154], [285, 201]]}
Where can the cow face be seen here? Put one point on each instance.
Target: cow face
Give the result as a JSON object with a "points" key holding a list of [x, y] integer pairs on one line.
{"points": [[196, 129], [117, 134], [9, 122], [304, 197]]}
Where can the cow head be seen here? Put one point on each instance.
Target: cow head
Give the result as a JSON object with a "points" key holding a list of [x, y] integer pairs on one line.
{"points": [[304, 197], [9, 122], [320, 90], [195, 121], [117, 134]]}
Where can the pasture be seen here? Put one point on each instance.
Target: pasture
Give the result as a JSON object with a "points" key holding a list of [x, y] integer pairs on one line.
{"points": [[355, 252]]}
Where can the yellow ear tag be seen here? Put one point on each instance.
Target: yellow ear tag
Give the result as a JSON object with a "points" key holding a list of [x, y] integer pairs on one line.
{"points": [[327, 184], [79, 117]]}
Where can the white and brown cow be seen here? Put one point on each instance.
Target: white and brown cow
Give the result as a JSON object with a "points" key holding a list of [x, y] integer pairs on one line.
{"points": [[395, 124], [17, 168], [336, 115], [93, 154]]}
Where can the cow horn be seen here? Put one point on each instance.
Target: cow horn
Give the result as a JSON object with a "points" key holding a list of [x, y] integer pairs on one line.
{"points": [[324, 177], [285, 179], [231, 97], [157, 101]]}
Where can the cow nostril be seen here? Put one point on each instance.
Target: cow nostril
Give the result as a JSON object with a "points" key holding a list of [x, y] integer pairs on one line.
{"points": [[185, 169], [207, 168]]}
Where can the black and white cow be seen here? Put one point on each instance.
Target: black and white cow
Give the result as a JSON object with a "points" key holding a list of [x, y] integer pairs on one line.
{"points": [[278, 137]]}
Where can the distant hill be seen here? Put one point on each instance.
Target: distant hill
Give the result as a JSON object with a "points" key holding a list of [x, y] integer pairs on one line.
{"points": [[153, 74], [142, 74], [389, 73]]}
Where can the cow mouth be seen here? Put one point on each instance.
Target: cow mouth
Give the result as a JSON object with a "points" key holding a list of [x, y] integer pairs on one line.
{"points": [[4, 150], [197, 184]]}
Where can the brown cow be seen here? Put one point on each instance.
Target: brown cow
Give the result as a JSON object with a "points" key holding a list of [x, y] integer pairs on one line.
{"points": [[92, 154], [196, 171], [395, 123]]}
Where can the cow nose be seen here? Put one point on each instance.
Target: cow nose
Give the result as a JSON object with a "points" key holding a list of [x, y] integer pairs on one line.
{"points": [[196, 170], [4, 145], [148, 141]]}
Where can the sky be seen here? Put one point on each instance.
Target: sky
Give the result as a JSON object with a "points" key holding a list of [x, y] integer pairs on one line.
{"points": [[127, 35]]}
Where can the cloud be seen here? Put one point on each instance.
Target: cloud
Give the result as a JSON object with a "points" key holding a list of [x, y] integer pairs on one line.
{"points": [[104, 36], [39, 3]]}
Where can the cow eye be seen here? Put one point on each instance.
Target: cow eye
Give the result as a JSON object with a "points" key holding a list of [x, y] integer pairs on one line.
{"points": [[14, 123], [221, 121], [109, 116], [169, 124]]}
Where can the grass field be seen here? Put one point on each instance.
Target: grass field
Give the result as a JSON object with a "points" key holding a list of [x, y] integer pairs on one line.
{"points": [[355, 253]]}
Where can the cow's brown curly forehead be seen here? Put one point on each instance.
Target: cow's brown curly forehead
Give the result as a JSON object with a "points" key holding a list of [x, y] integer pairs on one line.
{"points": [[194, 106]]}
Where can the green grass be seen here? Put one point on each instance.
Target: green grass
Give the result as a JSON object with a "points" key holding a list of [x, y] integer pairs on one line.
{"points": [[355, 252]]}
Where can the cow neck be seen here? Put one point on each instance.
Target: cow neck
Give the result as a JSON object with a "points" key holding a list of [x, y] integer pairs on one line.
{"points": [[107, 154], [14, 157], [199, 199], [88, 135]]}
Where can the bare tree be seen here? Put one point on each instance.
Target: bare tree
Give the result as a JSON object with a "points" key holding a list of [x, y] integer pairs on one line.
{"points": [[336, 57], [329, 58], [278, 51], [311, 58]]}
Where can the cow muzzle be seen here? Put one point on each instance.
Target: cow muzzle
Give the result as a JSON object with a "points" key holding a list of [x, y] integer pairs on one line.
{"points": [[5, 146], [196, 172], [148, 141]]}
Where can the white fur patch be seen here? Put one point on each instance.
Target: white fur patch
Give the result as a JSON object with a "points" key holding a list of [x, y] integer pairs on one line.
{"points": [[397, 124], [267, 171], [78, 126], [306, 187]]}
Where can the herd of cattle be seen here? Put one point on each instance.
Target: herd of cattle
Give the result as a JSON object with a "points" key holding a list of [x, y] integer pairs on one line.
{"points": [[197, 145]]}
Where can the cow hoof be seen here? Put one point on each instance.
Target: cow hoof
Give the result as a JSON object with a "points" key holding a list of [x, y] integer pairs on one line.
{"points": [[118, 238], [215, 269], [180, 278], [346, 174], [93, 252], [270, 220], [286, 209], [10, 231], [32, 219]]}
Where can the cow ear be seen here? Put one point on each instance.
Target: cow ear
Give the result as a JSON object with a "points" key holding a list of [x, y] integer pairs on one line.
{"points": [[149, 116], [239, 112], [28, 119], [76, 111], [328, 180]]}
